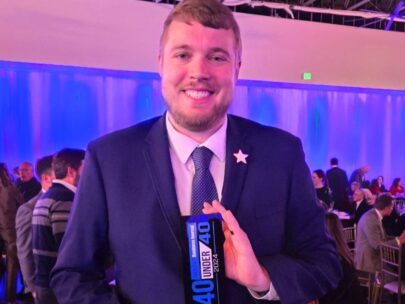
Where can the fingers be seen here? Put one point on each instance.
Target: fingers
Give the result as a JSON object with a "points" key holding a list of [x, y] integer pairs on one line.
{"points": [[227, 216]]}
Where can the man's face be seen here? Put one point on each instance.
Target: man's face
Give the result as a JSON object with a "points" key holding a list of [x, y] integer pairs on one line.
{"points": [[389, 209], [358, 195], [316, 180], [26, 172], [199, 68]]}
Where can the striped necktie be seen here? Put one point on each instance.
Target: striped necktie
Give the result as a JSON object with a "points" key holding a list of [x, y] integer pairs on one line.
{"points": [[203, 187]]}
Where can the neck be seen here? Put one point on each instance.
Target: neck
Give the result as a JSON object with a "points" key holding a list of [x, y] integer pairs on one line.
{"points": [[70, 180]]}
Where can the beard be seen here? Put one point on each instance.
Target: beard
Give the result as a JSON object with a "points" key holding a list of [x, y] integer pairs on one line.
{"points": [[198, 123]]}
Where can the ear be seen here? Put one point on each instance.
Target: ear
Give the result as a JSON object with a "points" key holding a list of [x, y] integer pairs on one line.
{"points": [[160, 62], [71, 172], [237, 68]]}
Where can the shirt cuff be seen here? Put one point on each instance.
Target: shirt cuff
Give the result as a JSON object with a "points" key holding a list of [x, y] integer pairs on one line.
{"points": [[269, 296]]}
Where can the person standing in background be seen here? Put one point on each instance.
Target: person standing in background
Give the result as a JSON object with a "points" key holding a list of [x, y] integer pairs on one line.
{"points": [[23, 223], [336, 179], [27, 183], [10, 200]]}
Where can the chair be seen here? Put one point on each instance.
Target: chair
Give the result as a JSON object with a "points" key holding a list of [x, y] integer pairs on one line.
{"points": [[399, 204], [349, 233], [368, 281], [391, 270]]}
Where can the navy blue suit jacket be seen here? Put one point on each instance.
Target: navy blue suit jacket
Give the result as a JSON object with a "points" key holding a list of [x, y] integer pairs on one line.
{"points": [[126, 203]]}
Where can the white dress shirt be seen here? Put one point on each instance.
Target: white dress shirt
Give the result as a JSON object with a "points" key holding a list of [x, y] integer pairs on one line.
{"points": [[181, 147]]}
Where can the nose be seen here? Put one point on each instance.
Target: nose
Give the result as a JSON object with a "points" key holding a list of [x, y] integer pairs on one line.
{"points": [[199, 69]]}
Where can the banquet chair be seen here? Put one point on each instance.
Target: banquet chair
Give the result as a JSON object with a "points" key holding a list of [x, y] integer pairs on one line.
{"points": [[368, 281], [399, 204], [349, 233], [391, 270]]}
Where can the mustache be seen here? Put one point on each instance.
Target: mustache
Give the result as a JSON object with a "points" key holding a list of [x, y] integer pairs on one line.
{"points": [[199, 85]]}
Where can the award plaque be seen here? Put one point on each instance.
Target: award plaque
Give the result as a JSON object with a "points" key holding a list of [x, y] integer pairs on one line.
{"points": [[204, 262]]}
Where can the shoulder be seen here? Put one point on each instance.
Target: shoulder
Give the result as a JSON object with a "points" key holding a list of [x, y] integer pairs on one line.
{"points": [[27, 207], [256, 131], [122, 137], [57, 192]]}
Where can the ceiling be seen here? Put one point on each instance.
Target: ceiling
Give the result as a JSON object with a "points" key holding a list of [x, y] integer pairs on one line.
{"points": [[379, 15]]}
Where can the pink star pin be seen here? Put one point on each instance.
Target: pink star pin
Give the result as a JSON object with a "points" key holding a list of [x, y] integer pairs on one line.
{"points": [[240, 157]]}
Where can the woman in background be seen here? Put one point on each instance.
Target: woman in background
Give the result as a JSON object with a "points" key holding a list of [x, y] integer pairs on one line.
{"points": [[322, 191], [10, 200], [377, 185], [349, 290], [396, 188]]}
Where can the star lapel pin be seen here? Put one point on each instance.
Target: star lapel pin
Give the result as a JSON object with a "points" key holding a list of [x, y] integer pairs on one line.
{"points": [[240, 157]]}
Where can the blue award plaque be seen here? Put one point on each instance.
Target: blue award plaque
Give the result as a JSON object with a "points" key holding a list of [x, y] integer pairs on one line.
{"points": [[205, 269]]}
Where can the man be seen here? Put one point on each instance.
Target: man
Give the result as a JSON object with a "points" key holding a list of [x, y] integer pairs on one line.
{"points": [[27, 183], [360, 205], [138, 182], [23, 223], [337, 182], [370, 233], [359, 175], [50, 218]]}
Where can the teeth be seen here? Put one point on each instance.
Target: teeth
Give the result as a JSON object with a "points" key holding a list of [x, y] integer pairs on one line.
{"points": [[197, 94]]}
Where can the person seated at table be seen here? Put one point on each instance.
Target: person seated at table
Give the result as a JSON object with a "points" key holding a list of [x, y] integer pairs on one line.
{"points": [[370, 233], [368, 196], [360, 205], [349, 290], [322, 191], [396, 188]]}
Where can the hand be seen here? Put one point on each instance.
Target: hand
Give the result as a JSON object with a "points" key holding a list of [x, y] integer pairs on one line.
{"points": [[241, 263]]}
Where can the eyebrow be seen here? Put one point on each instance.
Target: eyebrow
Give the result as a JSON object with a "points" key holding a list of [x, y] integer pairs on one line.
{"points": [[211, 50]]}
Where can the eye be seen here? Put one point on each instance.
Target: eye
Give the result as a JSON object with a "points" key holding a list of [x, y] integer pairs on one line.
{"points": [[182, 56], [218, 58]]}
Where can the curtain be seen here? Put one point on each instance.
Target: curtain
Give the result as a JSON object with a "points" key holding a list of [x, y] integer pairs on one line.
{"points": [[44, 108]]}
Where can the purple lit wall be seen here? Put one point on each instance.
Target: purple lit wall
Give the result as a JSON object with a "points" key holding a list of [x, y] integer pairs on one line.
{"points": [[44, 108]]}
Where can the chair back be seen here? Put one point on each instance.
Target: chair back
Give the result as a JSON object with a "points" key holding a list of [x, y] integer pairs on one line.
{"points": [[391, 269], [399, 204], [349, 233]]}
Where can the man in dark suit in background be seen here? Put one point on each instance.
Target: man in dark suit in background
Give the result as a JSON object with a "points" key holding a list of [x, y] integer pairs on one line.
{"points": [[337, 182], [137, 183], [28, 185], [360, 205]]}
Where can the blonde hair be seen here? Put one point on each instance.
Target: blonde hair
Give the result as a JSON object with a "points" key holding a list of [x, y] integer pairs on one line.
{"points": [[210, 13]]}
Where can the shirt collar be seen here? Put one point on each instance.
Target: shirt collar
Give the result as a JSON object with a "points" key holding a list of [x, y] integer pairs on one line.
{"points": [[67, 185], [183, 145]]}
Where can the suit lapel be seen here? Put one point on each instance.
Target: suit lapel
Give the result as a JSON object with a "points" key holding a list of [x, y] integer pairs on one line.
{"points": [[234, 172], [157, 157]]}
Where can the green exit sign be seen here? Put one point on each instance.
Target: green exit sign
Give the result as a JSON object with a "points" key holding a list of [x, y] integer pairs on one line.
{"points": [[307, 76]]}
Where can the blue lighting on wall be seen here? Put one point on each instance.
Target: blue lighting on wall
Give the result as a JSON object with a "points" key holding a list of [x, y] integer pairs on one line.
{"points": [[44, 108]]}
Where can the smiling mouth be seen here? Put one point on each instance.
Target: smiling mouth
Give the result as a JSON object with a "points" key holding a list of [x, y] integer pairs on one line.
{"points": [[198, 94]]}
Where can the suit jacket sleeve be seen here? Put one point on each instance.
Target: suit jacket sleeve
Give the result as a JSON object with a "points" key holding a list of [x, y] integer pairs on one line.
{"points": [[24, 244], [309, 264], [374, 233], [79, 273]]}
